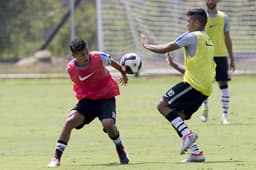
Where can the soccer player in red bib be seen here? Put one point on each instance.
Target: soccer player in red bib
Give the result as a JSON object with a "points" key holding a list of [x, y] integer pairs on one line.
{"points": [[95, 91]]}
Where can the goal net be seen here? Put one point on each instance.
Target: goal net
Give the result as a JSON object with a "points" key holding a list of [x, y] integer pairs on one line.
{"points": [[121, 22]]}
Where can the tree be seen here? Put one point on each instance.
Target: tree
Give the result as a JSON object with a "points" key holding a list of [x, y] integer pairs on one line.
{"points": [[25, 25]]}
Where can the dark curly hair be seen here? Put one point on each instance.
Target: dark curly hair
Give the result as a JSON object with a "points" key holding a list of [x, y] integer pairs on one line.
{"points": [[77, 45]]}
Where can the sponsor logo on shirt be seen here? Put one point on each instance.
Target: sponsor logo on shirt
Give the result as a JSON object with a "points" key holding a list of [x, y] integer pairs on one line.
{"points": [[211, 26], [85, 77], [207, 44]]}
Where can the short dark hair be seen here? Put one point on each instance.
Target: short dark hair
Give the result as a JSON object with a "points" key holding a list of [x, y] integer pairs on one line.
{"points": [[199, 14], [77, 45]]}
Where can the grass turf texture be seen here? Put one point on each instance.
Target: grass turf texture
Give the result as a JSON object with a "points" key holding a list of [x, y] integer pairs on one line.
{"points": [[33, 112]]}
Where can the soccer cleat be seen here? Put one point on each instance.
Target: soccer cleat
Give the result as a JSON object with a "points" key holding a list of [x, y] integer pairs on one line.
{"points": [[224, 120], [204, 115], [188, 140], [195, 158], [123, 156], [54, 163]]}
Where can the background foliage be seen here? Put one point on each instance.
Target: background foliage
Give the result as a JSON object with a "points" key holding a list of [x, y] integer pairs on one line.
{"points": [[25, 25]]}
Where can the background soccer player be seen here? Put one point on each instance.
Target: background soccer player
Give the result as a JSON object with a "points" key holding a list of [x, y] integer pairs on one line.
{"points": [[183, 99], [95, 90], [217, 28]]}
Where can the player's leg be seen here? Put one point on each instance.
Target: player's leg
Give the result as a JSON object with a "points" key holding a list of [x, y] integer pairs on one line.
{"points": [[188, 106], [204, 113], [108, 119], [111, 129], [179, 125], [73, 120], [196, 154], [225, 96], [222, 77], [168, 107]]}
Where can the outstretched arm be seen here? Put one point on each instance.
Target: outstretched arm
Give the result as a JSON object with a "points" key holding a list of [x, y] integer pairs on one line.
{"points": [[123, 79], [162, 48], [175, 65]]}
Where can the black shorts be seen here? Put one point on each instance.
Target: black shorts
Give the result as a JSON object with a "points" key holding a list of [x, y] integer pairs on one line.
{"points": [[183, 98], [90, 109], [221, 69]]}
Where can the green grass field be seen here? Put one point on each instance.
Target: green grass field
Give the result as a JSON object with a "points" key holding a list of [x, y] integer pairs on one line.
{"points": [[33, 111]]}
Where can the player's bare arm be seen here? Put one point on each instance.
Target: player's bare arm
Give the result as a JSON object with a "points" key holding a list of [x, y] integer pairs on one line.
{"points": [[175, 65], [161, 48], [123, 79], [228, 43]]}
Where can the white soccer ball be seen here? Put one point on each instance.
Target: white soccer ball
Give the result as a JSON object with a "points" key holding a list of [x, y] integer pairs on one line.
{"points": [[132, 62]]}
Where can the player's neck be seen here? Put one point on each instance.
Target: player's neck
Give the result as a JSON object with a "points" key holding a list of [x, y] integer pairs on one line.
{"points": [[212, 11], [82, 63]]}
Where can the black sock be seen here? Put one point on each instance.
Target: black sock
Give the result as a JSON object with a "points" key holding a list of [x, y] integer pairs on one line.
{"points": [[116, 140], [60, 147]]}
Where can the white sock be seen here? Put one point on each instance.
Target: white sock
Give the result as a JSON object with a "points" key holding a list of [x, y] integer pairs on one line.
{"points": [[117, 141], [225, 101], [205, 104], [60, 146], [180, 125]]}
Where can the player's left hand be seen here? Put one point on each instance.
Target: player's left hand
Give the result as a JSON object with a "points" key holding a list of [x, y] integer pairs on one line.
{"points": [[123, 79], [169, 59], [232, 65]]}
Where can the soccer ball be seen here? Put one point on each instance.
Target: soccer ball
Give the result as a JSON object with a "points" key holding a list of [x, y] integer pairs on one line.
{"points": [[132, 63]]}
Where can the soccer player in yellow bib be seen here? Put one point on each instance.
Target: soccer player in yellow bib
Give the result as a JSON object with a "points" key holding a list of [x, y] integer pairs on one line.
{"points": [[183, 99], [217, 28]]}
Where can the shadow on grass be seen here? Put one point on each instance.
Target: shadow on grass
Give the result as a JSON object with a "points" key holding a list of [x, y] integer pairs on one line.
{"points": [[118, 164], [230, 161], [230, 125], [242, 124], [213, 162]]}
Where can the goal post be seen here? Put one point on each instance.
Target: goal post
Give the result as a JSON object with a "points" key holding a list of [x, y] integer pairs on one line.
{"points": [[122, 21]]}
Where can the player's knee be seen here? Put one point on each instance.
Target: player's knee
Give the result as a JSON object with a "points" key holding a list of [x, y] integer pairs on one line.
{"points": [[108, 125], [223, 84], [184, 116], [160, 107], [163, 107], [73, 119]]}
